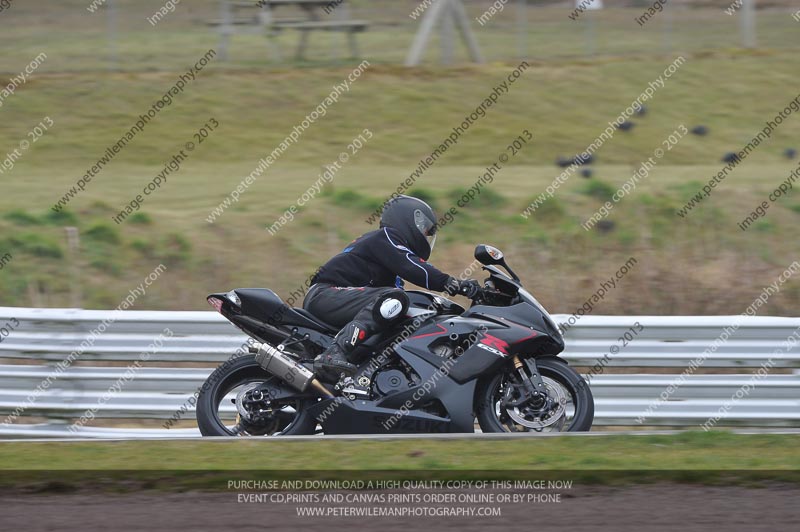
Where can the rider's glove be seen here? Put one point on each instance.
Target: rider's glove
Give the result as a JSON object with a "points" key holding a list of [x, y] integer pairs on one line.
{"points": [[451, 286], [468, 288]]}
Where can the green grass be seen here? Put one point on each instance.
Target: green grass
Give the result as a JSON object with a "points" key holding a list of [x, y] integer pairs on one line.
{"points": [[564, 100], [555, 256], [550, 34], [694, 457], [409, 112], [686, 451]]}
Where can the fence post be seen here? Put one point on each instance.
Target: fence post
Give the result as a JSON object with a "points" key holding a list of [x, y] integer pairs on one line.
{"points": [[73, 252], [522, 29], [666, 43], [749, 24], [112, 35]]}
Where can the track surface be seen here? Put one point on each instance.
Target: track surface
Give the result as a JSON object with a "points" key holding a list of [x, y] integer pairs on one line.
{"points": [[657, 507], [660, 506]]}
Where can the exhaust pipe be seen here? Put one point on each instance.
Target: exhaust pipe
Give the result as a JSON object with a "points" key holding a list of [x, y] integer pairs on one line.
{"points": [[287, 369]]}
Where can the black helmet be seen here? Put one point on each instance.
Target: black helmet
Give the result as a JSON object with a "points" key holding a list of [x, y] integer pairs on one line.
{"points": [[414, 220]]}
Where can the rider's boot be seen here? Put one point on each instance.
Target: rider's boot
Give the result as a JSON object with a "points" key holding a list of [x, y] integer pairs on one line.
{"points": [[332, 364]]}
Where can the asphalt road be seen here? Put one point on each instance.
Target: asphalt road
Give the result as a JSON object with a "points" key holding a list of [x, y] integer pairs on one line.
{"points": [[655, 507]]}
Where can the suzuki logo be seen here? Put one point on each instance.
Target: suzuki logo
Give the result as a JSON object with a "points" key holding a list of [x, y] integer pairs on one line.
{"points": [[495, 342], [491, 350]]}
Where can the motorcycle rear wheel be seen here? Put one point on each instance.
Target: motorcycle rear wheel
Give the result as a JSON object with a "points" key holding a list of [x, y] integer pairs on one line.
{"points": [[291, 419]]}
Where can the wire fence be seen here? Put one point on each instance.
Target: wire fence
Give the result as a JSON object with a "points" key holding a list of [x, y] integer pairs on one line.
{"points": [[141, 35]]}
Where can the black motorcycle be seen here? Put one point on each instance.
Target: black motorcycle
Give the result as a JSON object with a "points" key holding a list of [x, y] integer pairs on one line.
{"points": [[437, 371]]}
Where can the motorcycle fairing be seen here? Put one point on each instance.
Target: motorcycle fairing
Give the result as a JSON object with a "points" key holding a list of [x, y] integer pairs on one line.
{"points": [[527, 330], [385, 416]]}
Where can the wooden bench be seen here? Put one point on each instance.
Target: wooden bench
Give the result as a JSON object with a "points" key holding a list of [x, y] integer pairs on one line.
{"points": [[351, 25], [306, 27], [263, 21]]}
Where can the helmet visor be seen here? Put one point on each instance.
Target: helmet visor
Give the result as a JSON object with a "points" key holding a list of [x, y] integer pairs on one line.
{"points": [[431, 240], [426, 226]]}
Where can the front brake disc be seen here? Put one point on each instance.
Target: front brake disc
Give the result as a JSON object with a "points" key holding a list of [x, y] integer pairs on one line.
{"points": [[542, 419]]}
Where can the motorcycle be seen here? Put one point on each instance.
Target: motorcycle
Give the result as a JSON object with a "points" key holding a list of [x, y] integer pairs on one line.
{"points": [[438, 370]]}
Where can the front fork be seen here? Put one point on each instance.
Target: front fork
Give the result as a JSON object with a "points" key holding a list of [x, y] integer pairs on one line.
{"points": [[533, 383]]}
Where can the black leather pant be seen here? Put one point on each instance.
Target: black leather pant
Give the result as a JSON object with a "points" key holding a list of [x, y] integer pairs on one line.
{"points": [[354, 310]]}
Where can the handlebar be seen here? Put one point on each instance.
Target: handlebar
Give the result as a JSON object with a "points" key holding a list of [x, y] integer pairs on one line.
{"points": [[489, 296], [480, 295], [483, 295]]}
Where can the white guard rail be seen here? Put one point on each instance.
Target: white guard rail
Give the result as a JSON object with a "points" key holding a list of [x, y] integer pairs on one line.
{"points": [[632, 383]]}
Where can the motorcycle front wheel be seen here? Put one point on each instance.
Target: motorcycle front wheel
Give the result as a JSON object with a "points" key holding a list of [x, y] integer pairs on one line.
{"points": [[503, 405]]}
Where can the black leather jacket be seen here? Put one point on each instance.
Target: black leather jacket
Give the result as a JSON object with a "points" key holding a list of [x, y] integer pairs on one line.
{"points": [[380, 258]]}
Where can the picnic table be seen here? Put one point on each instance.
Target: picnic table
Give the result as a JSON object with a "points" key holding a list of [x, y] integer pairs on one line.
{"points": [[259, 17]]}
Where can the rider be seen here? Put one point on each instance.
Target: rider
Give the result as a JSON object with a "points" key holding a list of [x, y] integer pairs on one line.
{"points": [[360, 289]]}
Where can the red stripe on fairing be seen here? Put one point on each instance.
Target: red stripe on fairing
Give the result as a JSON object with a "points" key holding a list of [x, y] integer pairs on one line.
{"points": [[513, 324], [431, 334], [533, 335]]}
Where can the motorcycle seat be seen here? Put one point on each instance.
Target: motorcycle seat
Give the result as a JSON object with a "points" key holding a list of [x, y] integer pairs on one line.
{"points": [[325, 326], [265, 305]]}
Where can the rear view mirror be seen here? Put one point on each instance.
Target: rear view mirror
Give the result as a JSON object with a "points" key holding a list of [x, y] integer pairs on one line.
{"points": [[488, 255]]}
